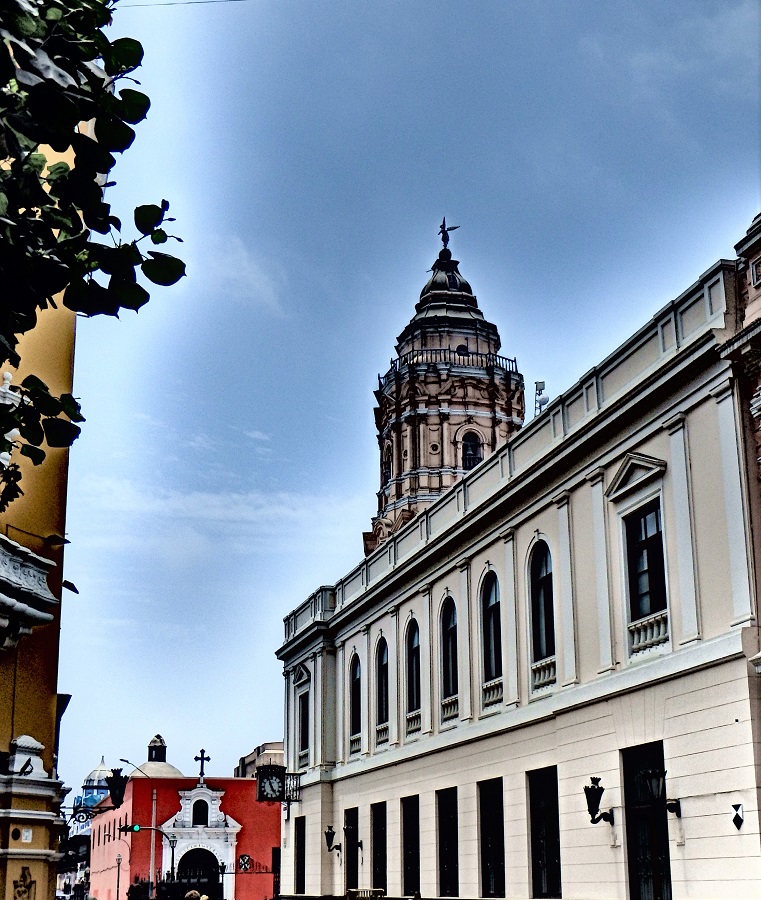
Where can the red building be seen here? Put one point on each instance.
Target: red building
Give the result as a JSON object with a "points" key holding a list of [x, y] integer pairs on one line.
{"points": [[226, 844]]}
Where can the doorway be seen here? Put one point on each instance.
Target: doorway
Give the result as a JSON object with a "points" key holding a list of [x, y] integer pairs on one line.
{"points": [[647, 831], [198, 870]]}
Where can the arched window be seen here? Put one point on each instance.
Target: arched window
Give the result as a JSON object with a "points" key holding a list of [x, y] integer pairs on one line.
{"points": [[381, 683], [542, 612], [201, 813], [490, 620], [413, 667], [387, 460], [449, 648], [472, 453], [356, 697]]}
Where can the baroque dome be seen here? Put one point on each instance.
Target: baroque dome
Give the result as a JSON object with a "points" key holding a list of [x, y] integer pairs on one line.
{"points": [[445, 276], [97, 778]]}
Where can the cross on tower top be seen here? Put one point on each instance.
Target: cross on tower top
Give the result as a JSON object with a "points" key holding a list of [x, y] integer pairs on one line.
{"points": [[202, 759]]}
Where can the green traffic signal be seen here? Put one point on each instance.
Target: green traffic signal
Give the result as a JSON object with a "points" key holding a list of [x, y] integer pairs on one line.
{"points": [[127, 829]]}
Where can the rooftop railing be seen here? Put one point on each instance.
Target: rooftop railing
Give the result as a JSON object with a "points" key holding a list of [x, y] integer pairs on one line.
{"points": [[450, 357]]}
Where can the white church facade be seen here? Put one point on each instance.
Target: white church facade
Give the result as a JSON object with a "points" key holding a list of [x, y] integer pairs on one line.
{"points": [[542, 680]]}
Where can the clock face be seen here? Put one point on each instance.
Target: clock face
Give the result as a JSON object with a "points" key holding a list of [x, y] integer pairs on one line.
{"points": [[271, 783], [271, 786]]}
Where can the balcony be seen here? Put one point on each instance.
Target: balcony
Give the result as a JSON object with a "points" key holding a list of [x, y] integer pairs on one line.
{"points": [[649, 632], [447, 357], [491, 693], [413, 722], [25, 599], [543, 673], [450, 708]]}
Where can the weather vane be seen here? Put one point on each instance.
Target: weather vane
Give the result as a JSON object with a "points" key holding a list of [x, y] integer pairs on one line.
{"points": [[444, 231]]}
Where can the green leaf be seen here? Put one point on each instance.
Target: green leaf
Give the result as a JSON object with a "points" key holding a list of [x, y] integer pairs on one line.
{"points": [[162, 268], [134, 105], [122, 55], [33, 383], [3, 204], [72, 408], [36, 162], [159, 236], [148, 217], [36, 454], [32, 432], [54, 15], [57, 170], [128, 294], [60, 433], [113, 134]]}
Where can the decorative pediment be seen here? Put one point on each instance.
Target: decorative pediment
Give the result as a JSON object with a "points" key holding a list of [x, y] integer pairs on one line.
{"points": [[636, 470], [208, 816], [301, 675]]}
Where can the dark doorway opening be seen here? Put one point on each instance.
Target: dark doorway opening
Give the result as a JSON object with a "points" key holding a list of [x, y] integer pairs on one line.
{"points": [[199, 870], [647, 832], [300, 852], [351, 844], [545, 832], [449, 874], [492, 833], [411, 845], [378, 828]]}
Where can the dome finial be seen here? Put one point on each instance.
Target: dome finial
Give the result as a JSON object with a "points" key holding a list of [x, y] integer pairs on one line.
{"points": [[444, 231]]}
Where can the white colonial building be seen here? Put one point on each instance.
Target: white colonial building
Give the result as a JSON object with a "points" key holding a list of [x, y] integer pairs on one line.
{"points": [[579, 604]]}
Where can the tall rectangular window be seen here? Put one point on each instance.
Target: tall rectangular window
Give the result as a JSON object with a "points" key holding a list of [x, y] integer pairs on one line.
{"points": [[300, 853], [491, 822], [449, 876], [351, 847], [644, 557], [378, 836], [410, 845], [545, 832], [303, 722]]}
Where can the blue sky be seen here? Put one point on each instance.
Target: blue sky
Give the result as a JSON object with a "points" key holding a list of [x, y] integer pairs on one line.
{"points": [[597, 156]]}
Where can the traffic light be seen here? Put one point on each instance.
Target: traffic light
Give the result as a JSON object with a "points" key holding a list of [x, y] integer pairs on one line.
{"points": [[128, 829]]}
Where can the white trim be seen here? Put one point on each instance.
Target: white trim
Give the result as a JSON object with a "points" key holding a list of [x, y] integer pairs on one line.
{"points": [[687, 597], [602, 580], [734, 510], [464, 648], [510, 625], [565, 583]]}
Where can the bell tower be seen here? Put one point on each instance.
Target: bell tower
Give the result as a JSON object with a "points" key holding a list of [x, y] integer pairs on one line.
{"points": [[446, 403]]}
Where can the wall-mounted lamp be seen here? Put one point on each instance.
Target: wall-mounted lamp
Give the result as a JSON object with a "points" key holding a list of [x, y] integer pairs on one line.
{"points": [[655, 784], [594, 794], [330, 836], [755, 661]]}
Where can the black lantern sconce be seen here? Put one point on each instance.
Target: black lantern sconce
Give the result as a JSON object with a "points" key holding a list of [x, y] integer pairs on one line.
{"points": [[594, 794], [330, 836], [655, 785], [117, 785]]}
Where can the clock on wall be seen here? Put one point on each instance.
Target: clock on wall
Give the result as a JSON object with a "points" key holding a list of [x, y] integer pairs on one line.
{"points": [[270, 783]]}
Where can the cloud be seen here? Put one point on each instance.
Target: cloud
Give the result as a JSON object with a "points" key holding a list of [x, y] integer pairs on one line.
{"points": [[197, 523], [256, 435], [722, 43], [237, 272]]}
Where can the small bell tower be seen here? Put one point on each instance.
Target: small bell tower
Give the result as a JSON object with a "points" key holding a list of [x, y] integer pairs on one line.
{"points": [[447, 402]]}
